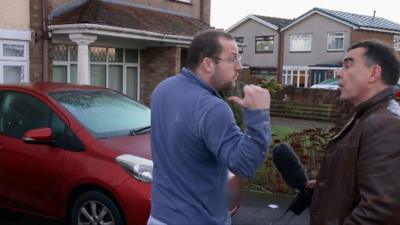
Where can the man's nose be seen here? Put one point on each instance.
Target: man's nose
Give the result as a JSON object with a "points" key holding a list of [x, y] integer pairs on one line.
{"points": [[339, 73], [238, 66]]}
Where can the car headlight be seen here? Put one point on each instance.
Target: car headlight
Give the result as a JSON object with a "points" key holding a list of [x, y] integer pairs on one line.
{"points": [[139, 168]]}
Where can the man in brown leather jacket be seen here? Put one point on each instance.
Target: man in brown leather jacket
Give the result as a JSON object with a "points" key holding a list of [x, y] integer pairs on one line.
{"points": [[359, 178]]}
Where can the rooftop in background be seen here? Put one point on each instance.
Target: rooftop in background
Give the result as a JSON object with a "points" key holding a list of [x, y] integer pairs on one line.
{"points": [[127, 16], [354, 20], [274, 23]]}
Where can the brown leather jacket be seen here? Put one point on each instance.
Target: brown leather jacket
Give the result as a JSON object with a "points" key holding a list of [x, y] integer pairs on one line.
{"points": [[359, 178]]}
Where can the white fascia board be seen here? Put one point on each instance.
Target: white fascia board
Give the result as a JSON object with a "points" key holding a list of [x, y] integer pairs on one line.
{"points": [[13, 34], [255, 18], [118, 32], [379, 30], [320, 13]]}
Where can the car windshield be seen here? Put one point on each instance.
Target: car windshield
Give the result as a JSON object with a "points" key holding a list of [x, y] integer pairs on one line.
{"points": [[330, 81], [105, 113]]}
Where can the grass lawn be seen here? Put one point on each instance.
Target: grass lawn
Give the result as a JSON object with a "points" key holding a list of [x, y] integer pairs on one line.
{"points": [[280, 132]]}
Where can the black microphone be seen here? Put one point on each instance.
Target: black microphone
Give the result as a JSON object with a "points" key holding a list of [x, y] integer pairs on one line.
{"points": [[292, 171], [289, 166]]}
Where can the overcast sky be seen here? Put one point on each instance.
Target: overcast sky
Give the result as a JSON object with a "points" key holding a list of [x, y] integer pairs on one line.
{"points": [[225, 13]]}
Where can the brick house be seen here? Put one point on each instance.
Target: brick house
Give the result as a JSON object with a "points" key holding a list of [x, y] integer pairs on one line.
{"points": [[126, 45], [315, 43]]}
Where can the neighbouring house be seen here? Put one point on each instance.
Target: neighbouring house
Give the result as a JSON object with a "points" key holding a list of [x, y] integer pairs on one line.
{"points": [[259, 43], [126, 45], [315, 43], [15, 37]]}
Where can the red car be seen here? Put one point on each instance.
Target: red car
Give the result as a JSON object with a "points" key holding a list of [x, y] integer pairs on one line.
{"points": [[76, 153]]}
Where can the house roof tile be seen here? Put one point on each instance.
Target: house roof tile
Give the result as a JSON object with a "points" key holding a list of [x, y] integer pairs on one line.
{"points": [[279, 22], [127, 16], [362, 20]]}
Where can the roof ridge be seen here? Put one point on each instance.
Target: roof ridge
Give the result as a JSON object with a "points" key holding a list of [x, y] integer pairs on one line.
{"points": [[273, 17]]}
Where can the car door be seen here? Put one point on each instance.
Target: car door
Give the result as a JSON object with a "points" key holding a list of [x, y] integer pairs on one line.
{"points": [[30, 174]]}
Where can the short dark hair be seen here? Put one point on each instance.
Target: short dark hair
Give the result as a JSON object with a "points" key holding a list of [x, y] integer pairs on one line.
{"points": [[205, 44], [383, 55]]}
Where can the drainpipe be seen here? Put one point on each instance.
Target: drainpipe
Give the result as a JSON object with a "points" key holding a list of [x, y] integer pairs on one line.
{"points": [[45, 42]]}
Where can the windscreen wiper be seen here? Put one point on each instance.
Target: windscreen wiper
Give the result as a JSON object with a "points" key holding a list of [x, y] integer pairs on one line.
{"points": [[139, 130]]}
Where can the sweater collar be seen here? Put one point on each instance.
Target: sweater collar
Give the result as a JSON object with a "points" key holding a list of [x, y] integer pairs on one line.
{"points": [[194, 78]]}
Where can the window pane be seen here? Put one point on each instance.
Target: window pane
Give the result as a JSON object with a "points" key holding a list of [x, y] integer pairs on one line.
{"points": [[13, 74], [300, 42], [98, 75], [115, 54], [13, 50], [396, 42], [132, 82], [73, 52], [131, 56], [98, 54], [60, 74], [60, 53], [115, 77], [264, 43], [240, 41], [22, 112], [74, 76], [335, 41]]}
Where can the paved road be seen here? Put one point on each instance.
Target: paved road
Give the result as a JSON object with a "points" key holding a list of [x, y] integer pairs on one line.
{"points": [[8, 217], [255, 210]]}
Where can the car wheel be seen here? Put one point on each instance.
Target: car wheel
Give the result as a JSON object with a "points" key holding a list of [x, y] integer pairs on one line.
{"points": [[95, 208]]}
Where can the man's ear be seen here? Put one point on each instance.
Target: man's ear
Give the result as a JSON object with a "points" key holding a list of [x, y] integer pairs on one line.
{"points": [[208, 65], [376, 73]]}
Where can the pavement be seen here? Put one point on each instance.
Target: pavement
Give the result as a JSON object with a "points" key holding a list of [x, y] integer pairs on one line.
{"points": [[260, 208]]}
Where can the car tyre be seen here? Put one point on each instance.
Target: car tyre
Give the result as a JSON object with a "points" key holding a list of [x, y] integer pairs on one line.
{"points": [[95, 208]]}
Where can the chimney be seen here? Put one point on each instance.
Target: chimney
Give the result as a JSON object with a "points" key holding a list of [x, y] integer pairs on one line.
{"points": [[373, 17]]}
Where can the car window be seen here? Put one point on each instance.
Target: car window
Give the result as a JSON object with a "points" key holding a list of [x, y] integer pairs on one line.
{"points": [[104, 113], [21, 112]]}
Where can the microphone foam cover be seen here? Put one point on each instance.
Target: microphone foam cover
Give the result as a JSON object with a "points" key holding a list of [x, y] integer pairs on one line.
{"points": [[289, 166]]}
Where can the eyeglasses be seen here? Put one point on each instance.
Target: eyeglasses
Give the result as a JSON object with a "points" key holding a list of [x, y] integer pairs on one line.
{"points": [[236, 60]]}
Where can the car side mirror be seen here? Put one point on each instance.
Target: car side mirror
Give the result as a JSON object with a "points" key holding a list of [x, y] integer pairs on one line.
{"points": [[38, 136]]}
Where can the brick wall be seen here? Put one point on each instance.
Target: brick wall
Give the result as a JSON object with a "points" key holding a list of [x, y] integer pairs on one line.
{"points": [[359, 35], [156, 65]]}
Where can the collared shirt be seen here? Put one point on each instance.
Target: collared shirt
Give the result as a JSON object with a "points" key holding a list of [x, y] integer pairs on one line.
{"points": [[195, 140]]}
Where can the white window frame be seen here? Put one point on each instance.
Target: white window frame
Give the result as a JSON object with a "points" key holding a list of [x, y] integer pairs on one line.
{"points": [[396, 42], [25, 66], [15, 60], [333, 36], [124, 65], [304, 37]]}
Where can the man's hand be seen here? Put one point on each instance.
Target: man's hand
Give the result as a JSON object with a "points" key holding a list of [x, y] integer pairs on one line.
{"points": [[311, 184], [255, 97]]}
